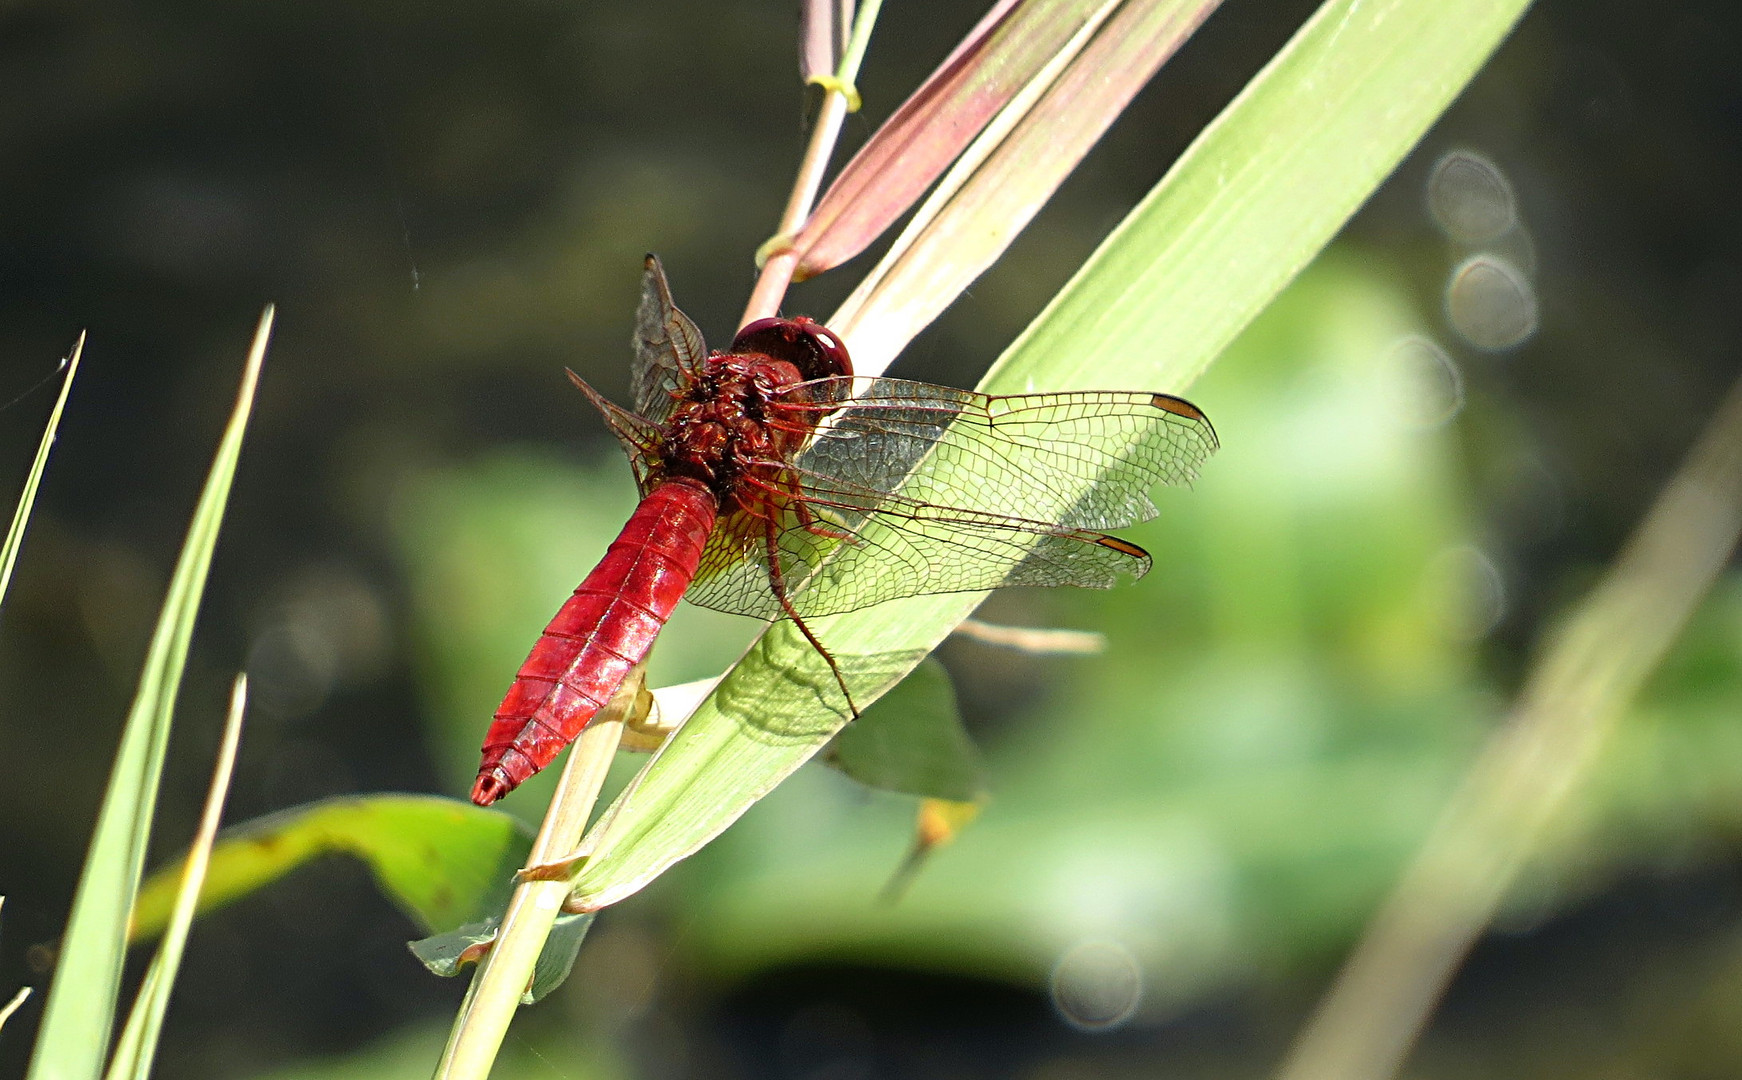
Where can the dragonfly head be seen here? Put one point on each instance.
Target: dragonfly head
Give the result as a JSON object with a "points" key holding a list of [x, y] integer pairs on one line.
{"points": [[806, 344]]}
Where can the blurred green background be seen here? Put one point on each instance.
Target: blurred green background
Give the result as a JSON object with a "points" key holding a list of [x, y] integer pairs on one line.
{"points": [[1424, 459]]}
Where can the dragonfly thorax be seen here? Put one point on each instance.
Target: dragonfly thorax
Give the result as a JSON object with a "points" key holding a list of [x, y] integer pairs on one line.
{"points": [[718, 431]]}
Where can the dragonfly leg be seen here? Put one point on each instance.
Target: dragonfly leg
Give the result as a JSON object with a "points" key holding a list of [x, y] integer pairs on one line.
{"points": [[787, 492], [808, 520], [777, 580]]}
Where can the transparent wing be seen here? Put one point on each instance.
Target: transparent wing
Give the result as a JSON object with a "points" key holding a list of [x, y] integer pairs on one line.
{"points": [[668, 348], [994, 497], [900, 548], [641, 440], [1027, 456]]}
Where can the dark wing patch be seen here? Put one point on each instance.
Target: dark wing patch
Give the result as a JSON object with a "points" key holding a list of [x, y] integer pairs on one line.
{"points": [[668, 348]]}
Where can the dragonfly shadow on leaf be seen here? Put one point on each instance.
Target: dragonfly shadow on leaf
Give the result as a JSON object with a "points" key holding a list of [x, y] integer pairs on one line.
{"points": [[806, 705]]}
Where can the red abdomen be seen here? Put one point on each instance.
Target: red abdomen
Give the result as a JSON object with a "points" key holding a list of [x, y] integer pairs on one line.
{"points": [[601, 633]]}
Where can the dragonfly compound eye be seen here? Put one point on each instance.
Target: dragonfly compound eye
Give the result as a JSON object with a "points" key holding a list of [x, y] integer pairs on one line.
{"points": [[806, 344]]}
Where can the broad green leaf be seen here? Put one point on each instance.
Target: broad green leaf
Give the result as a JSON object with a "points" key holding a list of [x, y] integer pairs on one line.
{"points": [[27, 499], [912, 741], [1260, 192], [136, 1049], [74, 1038], [444, 862]]}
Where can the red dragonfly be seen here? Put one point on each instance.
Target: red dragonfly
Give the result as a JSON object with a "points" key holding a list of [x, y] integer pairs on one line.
{"points": [[768, 468]]}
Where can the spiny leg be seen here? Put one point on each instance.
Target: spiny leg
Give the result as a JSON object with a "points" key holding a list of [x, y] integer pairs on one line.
{"points": [[788, 489], [777, 581], [808, 519]]}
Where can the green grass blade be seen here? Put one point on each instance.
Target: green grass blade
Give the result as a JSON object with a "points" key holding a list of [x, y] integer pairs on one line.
{"points": [[137, 1047], [27, 499], [1254, 199], [79, 1016]]}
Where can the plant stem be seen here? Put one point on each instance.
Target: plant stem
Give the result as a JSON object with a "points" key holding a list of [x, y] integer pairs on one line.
{"points": [[507, 968], [1577, 691], [11, 1007], [777, 269]]}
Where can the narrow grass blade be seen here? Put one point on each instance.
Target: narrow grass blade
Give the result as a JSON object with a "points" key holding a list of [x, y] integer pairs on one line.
{"points": [[26, 500], [1257, 196], [1009, 173], [999, 57], [137, 1047], [74, 1037], [1575, 693]]}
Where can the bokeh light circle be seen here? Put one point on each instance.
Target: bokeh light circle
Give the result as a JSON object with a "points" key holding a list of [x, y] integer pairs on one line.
{"points": [[1470, 198], [1096, 985], [1429, 388], [1491, 303]]}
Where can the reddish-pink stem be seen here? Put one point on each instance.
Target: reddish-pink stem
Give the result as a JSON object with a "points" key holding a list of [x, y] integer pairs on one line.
{"points": [[777, 270]]}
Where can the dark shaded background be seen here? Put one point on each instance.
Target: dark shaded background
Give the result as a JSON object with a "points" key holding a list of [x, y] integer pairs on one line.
{"points": [[448, 204]]}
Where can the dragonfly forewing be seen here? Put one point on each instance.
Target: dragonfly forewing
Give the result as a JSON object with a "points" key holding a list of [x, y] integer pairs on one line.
{"points": [[1078, 460]]}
